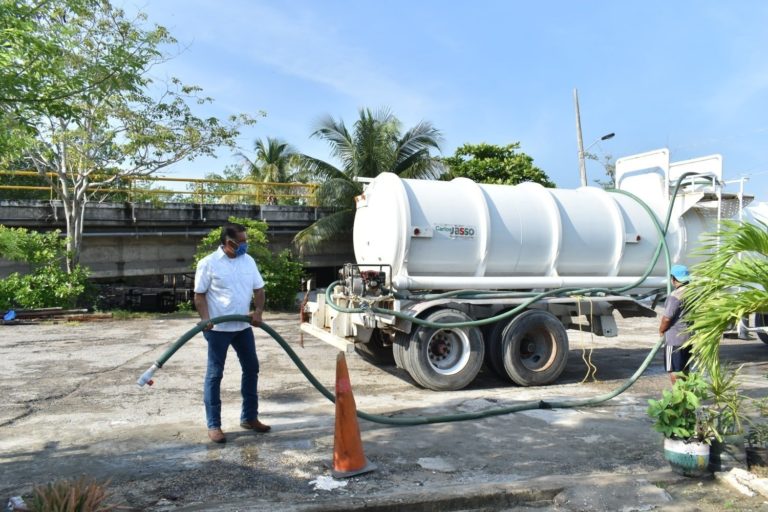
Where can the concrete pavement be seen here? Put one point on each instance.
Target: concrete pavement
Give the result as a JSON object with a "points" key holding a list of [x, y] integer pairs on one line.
{"points": [[71, 407]]}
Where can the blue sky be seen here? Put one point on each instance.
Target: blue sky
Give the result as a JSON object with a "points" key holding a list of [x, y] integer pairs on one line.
{"points": [[688, 75]]}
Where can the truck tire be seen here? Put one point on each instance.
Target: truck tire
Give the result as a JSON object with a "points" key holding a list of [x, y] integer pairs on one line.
{"points": [[376, 350], [493, 357], [399, 347], [445, 359], [534, 348], [761, 320]]}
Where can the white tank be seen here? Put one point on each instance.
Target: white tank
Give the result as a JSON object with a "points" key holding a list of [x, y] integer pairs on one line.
{"points": [[463, 235]]}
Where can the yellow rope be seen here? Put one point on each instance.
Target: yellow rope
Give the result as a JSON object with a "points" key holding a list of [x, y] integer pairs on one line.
{"points": [[586, 354]]}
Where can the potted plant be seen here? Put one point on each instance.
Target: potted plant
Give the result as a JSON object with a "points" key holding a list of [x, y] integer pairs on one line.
{"points": [[757, 449], [727, 449], [686, 423]]}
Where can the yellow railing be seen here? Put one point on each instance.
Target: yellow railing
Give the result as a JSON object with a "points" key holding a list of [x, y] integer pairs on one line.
{"points": [[255, 192]]}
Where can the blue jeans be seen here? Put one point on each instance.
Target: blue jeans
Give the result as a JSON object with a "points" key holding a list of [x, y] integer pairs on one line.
{"points": [[245, 347]]}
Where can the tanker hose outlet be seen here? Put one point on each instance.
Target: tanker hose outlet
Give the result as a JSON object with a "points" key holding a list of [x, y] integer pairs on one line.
{"points": [[146, 377]]}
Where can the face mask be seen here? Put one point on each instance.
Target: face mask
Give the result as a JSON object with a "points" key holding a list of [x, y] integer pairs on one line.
{"points": [[242, 248]]}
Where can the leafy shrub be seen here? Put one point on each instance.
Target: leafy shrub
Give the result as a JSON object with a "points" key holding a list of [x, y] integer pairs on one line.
{"points": [[281, 272], [47, 284], [680, 413], [282, 275], [757, 437], [185, 306]]}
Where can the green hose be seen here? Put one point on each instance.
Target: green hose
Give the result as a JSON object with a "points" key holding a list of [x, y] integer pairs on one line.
{"points": [[423, 420], [408, 420]]}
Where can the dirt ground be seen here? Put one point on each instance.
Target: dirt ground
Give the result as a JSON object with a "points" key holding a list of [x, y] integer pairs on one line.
{"points": [[71, 407]]}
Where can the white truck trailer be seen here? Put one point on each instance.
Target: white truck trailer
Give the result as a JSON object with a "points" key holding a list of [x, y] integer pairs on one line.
{"points": [[459, 252]]}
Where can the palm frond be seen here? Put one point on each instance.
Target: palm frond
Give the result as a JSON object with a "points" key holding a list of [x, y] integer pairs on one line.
{"points": [[249, 165], [420, 166], [731, 283], [320, 170], [375, 135], [412, 156], [374, 146], [336, 226], [421, 136], [338, 193], [337, 136]]}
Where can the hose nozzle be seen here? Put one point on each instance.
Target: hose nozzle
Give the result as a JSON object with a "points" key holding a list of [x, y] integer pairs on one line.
{"points": [[146, 377]]}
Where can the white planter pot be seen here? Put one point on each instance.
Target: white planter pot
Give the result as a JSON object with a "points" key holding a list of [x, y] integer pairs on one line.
{"points": [[689, 458]]}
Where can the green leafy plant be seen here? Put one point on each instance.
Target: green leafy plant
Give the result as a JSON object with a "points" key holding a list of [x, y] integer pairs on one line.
{"points": [[488, 163], [82, 106], [757, 436], [727, 401], [680, 413], [185, 306], [281, 272], [47, 283], [762, 406], [82, 495]]}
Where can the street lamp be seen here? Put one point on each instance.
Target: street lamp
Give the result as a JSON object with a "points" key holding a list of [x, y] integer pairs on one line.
{"points": [[582, 158]]}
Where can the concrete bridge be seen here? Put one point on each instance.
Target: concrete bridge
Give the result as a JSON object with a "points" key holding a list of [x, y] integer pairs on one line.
{"points": [[126, 240]]}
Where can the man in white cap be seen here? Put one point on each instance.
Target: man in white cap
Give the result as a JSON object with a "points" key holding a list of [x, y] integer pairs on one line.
{"points": [[673, 326]]}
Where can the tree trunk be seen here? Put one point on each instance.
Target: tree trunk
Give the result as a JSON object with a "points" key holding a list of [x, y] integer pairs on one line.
{"points": [[74, 200]]}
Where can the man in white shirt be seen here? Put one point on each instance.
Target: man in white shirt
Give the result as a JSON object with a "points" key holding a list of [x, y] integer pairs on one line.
{"points": [[225, 283]]}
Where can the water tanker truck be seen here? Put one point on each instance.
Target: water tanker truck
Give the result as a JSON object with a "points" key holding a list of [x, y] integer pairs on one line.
{"points": [[452, 274]]}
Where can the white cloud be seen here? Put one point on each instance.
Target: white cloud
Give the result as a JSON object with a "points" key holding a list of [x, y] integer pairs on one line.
{"points": [[294, 40]]}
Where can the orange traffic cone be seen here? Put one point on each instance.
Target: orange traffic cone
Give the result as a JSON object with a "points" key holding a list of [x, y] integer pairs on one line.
{"points": [[348, 457]]}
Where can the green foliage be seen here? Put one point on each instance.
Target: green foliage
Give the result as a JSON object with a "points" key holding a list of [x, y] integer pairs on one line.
{"points": [[727, 400], [13, 178], [609, 165], [20, 244], [225, 191], [499, 165], [44, 287], [82, 99], [276, 162], [679, 413], [757, 436], [47, 284], [281, 273], [731, 283], [32, 82], [80, 495], [185, 306], [375, 145]]}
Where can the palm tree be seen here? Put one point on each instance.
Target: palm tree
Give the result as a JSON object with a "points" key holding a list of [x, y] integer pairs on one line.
{"points": [[375, 145], [730, 284], [276, 162]]}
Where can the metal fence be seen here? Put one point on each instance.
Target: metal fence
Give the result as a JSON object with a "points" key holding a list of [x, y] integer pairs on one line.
{"points": [[197, 190]]}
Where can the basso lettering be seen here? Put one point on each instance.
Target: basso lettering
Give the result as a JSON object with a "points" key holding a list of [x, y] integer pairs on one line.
{"points": [[456, 230]]}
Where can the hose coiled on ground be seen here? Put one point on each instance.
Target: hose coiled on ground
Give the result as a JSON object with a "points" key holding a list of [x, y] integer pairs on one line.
{"points": [[409, 420]]}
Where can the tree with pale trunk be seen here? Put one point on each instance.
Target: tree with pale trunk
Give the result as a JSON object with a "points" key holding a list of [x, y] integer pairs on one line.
{"points": [[92, 117]]}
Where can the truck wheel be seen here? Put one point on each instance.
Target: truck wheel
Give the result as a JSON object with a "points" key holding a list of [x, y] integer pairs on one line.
{"points": [[376, 350], [534, 348], [398, 350], [761, 320], [445, 359], [493, 356]]}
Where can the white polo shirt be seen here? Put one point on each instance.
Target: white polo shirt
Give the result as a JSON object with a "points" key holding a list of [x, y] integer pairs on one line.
{"points": [[228, 285]]}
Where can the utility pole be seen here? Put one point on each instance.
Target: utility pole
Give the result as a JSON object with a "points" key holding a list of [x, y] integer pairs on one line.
{"points": [[580, 141]]}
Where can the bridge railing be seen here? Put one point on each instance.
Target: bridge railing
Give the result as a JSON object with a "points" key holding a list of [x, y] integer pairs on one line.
{"points": [[198, 190]]}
